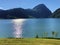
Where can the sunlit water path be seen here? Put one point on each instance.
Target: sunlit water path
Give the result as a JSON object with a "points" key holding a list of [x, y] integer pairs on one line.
{"points": [[28, 28]]}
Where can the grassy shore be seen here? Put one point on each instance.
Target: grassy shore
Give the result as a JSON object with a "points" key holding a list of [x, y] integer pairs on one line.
{"points": [[29, 41]]}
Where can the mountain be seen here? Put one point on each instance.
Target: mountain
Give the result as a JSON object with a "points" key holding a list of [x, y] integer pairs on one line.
{"points": [[56, 14], [39, 11], [16, 13], [42, 11], [2, 13], [13, 13]]}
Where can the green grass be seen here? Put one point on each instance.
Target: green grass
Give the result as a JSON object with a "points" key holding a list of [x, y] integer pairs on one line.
{"points": [[29, 41]]}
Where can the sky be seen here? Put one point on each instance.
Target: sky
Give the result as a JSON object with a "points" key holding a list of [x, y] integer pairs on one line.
{"points": [[9, 4]]}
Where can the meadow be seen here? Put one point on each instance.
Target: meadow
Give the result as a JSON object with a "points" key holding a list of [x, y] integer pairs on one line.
{"points": [[29, 41]]}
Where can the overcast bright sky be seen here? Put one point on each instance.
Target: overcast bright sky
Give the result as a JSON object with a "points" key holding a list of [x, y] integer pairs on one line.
{"points": [[7, 4]]}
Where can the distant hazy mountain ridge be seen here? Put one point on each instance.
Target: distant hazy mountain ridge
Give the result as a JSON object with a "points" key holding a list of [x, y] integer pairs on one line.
{"points": [[39, 11]]}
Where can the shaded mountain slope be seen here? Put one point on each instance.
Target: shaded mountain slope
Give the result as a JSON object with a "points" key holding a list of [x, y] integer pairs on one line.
{"points": [[42, 10], [39, 11], [56, 14]]}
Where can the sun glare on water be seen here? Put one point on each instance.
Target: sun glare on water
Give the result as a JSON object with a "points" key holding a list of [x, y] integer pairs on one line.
{"points": [[18, 27]]}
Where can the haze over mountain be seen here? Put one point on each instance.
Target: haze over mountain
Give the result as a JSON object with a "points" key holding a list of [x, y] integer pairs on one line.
{"points": [[39, 11]]}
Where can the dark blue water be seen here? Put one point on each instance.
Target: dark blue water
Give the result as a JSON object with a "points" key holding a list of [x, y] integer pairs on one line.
{"points": [[29, 27]]}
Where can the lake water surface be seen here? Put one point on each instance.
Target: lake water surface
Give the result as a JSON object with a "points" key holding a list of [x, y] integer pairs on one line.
{"points": [[28, 28]]}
